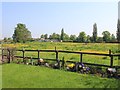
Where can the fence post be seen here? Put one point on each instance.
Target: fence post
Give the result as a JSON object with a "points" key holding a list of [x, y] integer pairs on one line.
{"points": [[55, 48], [8, 55], [111, 59], [38, 54], [12, 54], [81, 57], [63, 63], [57, 59], [31, 60], [23, 55], [2, 55]]}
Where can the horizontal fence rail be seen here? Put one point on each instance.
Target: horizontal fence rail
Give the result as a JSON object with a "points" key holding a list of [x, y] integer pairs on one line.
{"points": [[73, 52], [90, 53]]}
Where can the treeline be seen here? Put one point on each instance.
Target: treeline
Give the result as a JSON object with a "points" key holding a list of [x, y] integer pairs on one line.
{"points": [[84, 38], [22, 34]]}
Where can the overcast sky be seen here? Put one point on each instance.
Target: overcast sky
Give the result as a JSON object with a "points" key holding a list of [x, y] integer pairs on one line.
{"points": [[50, 17]]}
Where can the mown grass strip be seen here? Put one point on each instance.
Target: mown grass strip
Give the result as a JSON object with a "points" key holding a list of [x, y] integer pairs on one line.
{"points": [[23, 76]]}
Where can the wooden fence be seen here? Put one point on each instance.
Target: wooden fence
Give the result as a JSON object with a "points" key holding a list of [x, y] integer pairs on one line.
{"points": [[60, 51]]}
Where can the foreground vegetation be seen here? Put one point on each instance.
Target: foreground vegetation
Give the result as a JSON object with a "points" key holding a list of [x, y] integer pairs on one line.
{"points": [[0, 76], [23, 76]]}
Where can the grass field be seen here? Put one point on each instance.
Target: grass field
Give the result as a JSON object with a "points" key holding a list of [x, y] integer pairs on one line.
{"points": [[23, 76], [90, 47], [94, 47], [0, 70]]}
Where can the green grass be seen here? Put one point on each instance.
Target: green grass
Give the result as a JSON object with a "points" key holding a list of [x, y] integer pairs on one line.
{"points": [[67, 46], [0, 76], [90, 47], [23, 76], [0, 70]]}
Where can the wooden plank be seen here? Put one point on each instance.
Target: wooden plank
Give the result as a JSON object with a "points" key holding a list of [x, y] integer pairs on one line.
{"points": [[8, 56], [72, 52], [71, 61], [96, 64], [111, 61], [2, 55], [38, 54], [84, 53], [35, 58], [57, 56], [115, 54], [39, 50], [18, 56], [81, 57], [23, 55]]}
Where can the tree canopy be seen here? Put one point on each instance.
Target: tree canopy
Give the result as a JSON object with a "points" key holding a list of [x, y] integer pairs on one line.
{"points": [[118, 31], [106, 36], [62, 34], [21, 33], [82, 37], [54, 36], [73, 37], [95, 32]]}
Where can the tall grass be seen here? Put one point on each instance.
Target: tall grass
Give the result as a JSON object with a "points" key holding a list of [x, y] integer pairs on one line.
{"points": [[98, 47]]}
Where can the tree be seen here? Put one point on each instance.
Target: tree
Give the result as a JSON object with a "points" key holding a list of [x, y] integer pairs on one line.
{"points": [[42, 36], [73, 37], [9, 39], [106, 36], [88, 39], [118, 31], [99, 39], [62, 34], [5, 39], [46, 36], [66, 37], [91, 39], [55, 36], [113, 38], [95, 32], [82, 37], [21, 33]]}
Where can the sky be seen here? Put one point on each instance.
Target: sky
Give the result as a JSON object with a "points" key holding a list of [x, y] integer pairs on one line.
{"points": [[49, 17]]}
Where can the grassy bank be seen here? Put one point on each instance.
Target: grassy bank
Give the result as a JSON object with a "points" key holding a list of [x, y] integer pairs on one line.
{"points": [[0, 76], [23, 76]]}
